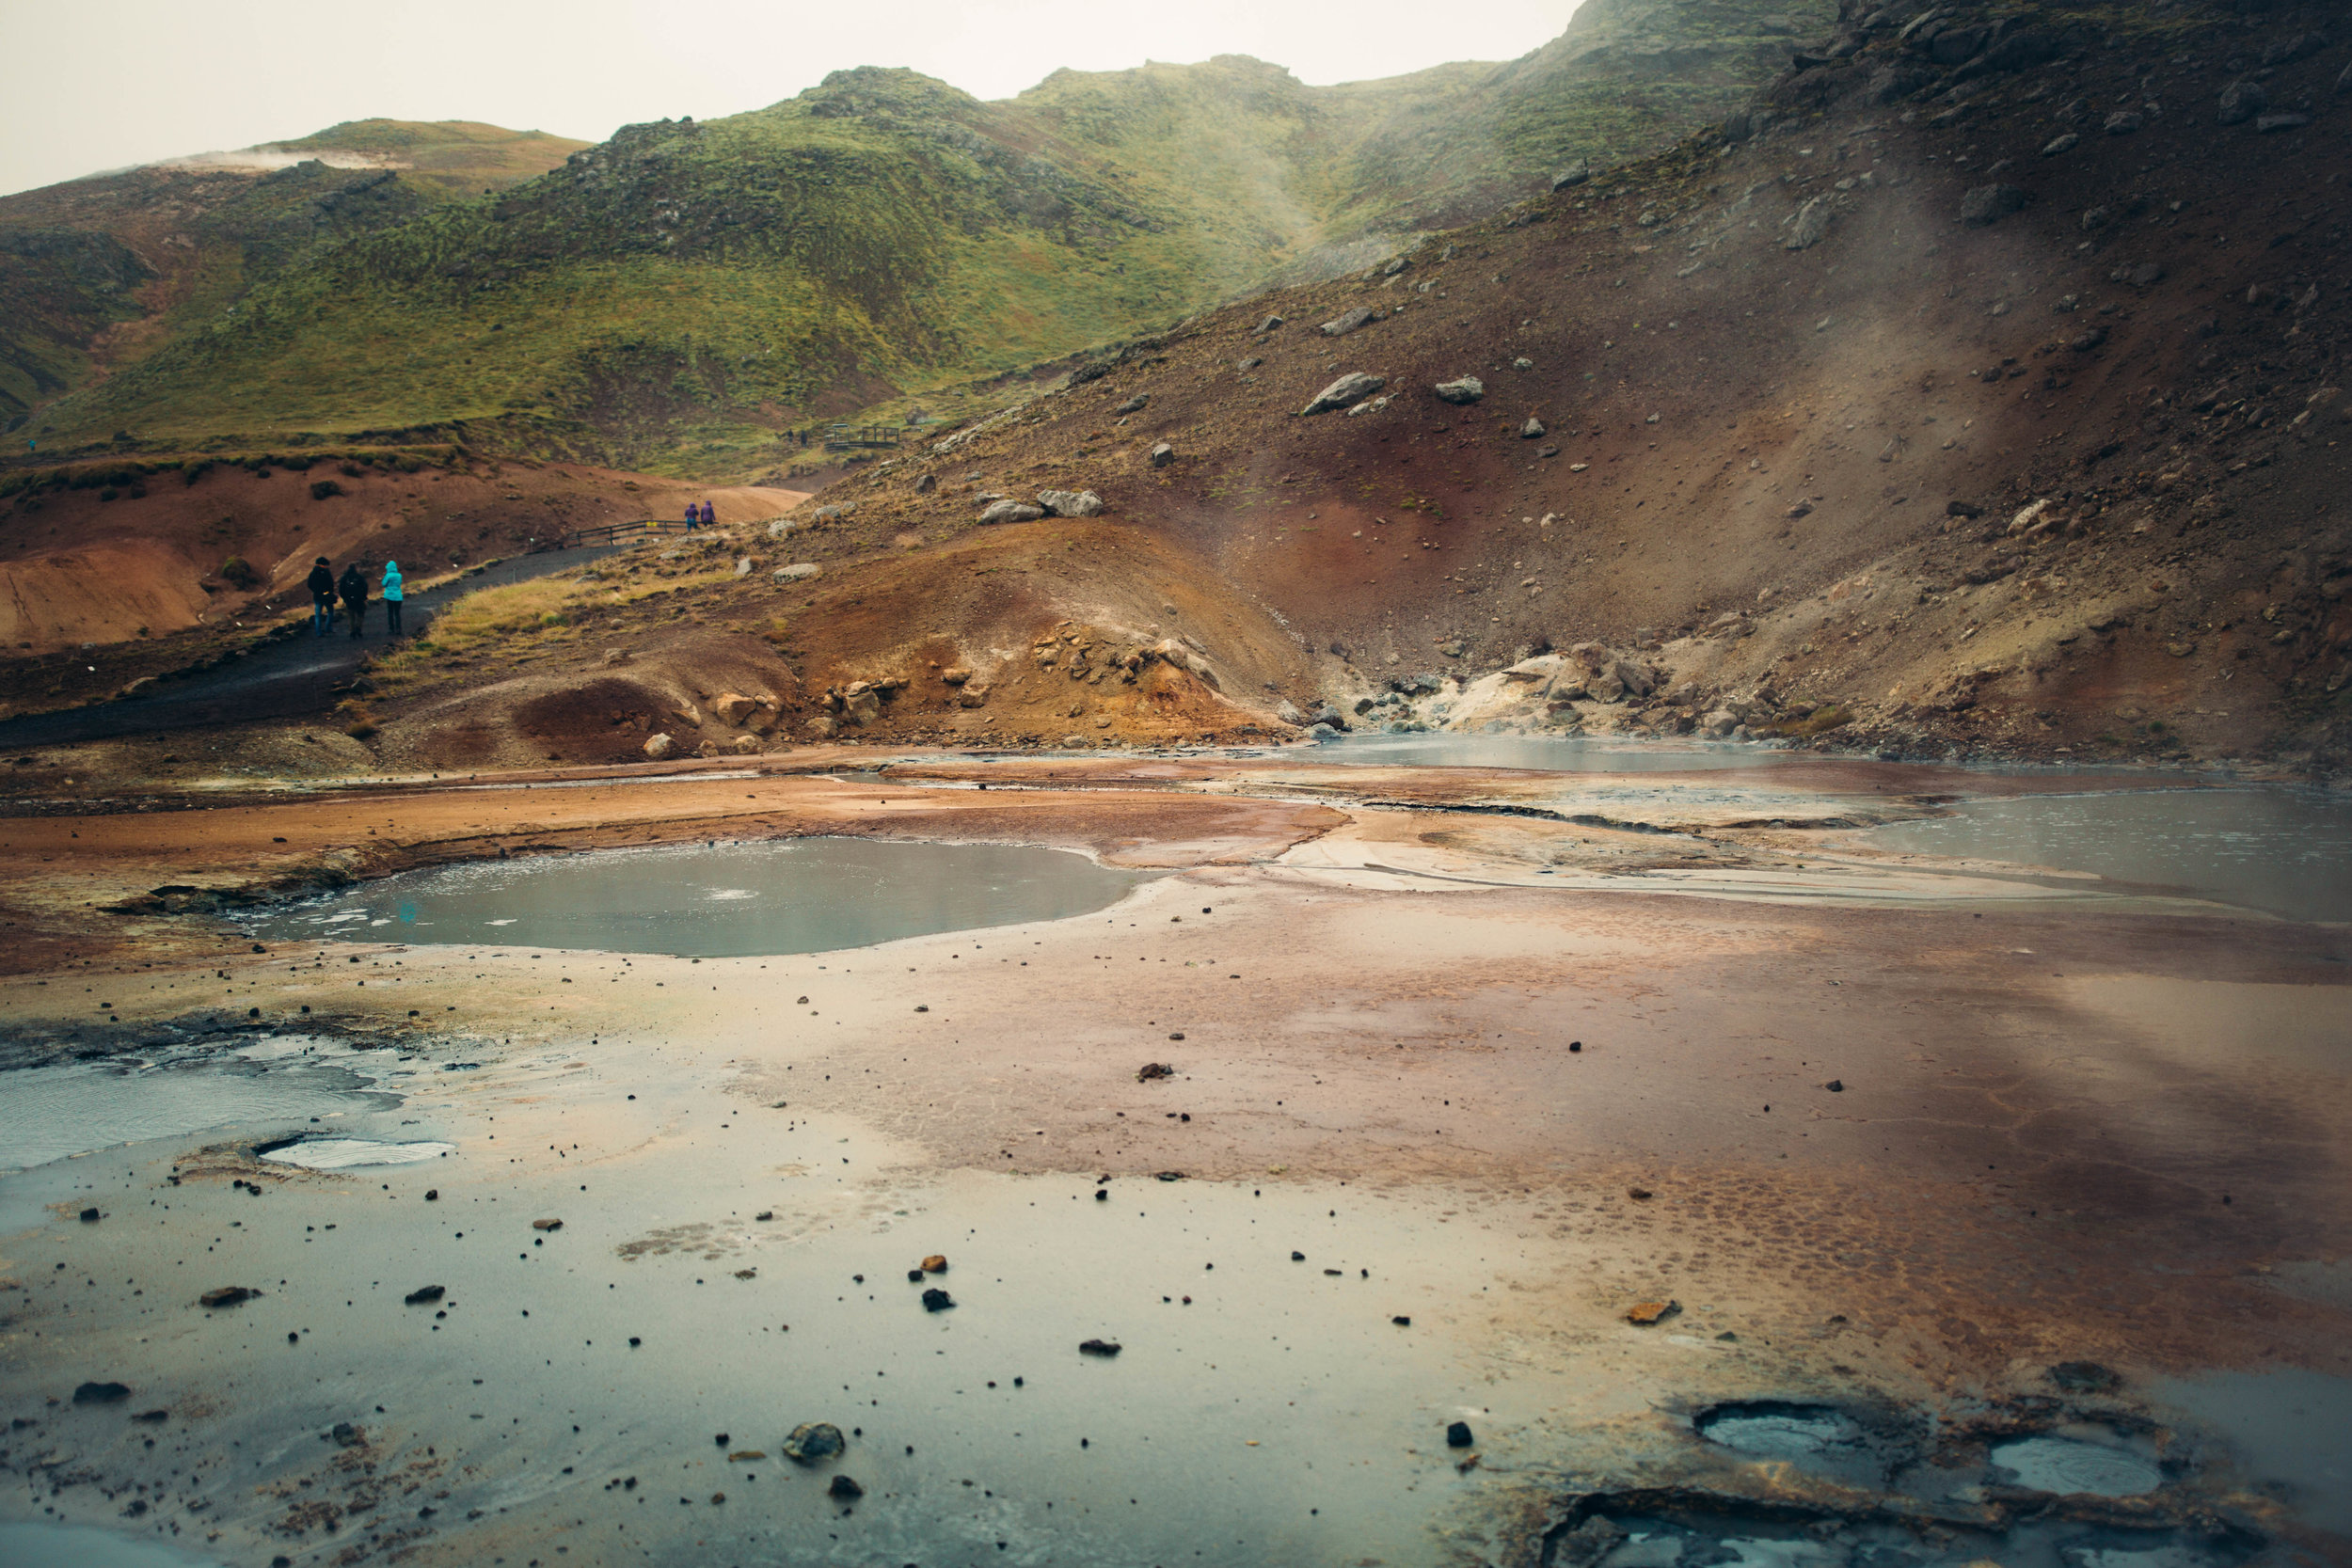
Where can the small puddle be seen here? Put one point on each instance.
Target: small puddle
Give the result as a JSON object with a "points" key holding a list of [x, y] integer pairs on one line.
{"points": [[730, 899], [2066, 1466], [2286, 851], [1771, 1431], [57, 1113], [354, 1153]]}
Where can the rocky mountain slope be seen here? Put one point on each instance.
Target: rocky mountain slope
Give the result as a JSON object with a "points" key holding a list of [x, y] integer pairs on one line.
{"points": [[95, 274], [683, 294], [1977, 388]]}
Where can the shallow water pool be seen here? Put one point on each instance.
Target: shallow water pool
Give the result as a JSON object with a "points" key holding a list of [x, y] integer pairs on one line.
{"points": [[728, 899], [1545, 753], [2286, 851], [55, 1112]]}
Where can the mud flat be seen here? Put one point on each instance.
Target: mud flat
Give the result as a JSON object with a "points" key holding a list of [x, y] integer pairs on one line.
{"points": [[1828, 1209]]}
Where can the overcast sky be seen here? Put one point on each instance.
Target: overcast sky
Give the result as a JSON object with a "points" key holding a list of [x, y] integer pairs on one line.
{"points": [[93, 84]]}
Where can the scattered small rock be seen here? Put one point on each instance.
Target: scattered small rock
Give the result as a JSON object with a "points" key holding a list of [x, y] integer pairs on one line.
{"points": [[547, 1225], [1836, 1085], [426, 1293], [935, 1263], [1011, 511], [101, 1393], [1151, 1070], [1641, 1314], [1402, 1322], [1340, 325], [92, 1216], [937, 1300], [1462, 390], [227, 1295], [844, 1488], [1638, 1195], [1162, 454], [812, 1441], [1533, 430], [1099, 1346], [348, 1435], [1457, 1435]]}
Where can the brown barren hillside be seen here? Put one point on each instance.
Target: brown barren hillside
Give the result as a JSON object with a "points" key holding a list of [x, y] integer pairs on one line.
{"points": [[2002, 415]]}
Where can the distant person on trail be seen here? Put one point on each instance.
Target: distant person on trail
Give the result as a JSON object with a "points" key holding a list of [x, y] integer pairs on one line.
{"points": [[692, 516], [392, 595], [354, 588], [710, 514], [322, 586]]}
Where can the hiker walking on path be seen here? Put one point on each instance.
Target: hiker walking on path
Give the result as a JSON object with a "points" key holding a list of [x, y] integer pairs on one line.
{"points": [[393, 593], [692, 516], [710, 516], [322, 585], [354, 588]]}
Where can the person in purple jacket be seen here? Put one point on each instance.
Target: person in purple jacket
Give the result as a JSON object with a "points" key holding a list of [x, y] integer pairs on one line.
{"points": [[692, 516], [710, 514]]}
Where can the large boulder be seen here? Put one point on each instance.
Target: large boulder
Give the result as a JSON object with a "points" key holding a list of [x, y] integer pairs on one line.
{"points": [[734, 708], [1987, 204], [1810, 224], [1162, 454], [1463, 389], [1575, 174], [1070, 503], [659, 746], [1350, 389], [1011, 511], [2241, 102]]}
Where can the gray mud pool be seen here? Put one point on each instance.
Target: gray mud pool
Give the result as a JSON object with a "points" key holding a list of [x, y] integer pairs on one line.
{"points": [[726, 899]]}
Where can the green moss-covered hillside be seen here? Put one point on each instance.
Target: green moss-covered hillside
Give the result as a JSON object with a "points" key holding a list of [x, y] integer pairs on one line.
{"points": [[696, 295]]}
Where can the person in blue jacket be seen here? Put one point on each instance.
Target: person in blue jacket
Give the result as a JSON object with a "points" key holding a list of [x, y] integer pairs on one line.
{"points": [[392, 597]]}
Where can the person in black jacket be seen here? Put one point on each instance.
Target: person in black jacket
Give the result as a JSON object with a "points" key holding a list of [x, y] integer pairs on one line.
{"points": [[322, 597], [354, 588]]}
